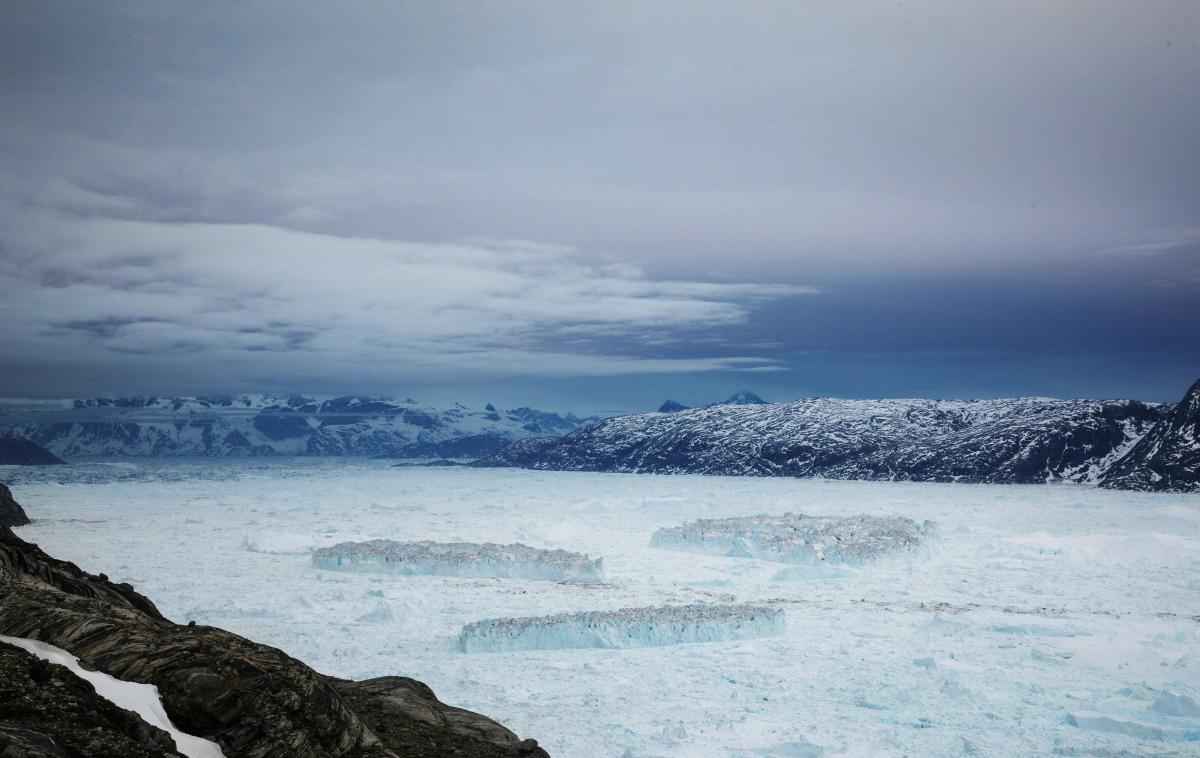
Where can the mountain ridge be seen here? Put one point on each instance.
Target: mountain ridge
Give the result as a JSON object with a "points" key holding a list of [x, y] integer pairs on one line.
{"points": [[1019, 440], [1167, 458], [265, 425]]}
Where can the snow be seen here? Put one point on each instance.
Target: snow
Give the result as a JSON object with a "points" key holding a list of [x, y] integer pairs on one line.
{"points": [[142, 699], [797, 538], [622, 628], [459, 559], [1033, 603]]}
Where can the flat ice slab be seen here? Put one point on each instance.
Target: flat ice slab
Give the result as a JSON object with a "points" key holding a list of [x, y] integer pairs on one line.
{"points": [[797, 538], [466, 559], [627, 627]]}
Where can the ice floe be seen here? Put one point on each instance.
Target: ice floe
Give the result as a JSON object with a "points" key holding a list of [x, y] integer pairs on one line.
{"points": [[627, 627], [462, 559], [797, 538]]}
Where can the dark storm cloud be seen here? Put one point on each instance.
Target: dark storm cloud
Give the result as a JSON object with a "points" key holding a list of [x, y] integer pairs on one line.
{"points": [[295, 194]]}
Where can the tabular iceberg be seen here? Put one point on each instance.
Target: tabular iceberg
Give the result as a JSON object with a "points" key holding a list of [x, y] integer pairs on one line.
{"points": [[465, 559], [797, 538], [627, 627]]}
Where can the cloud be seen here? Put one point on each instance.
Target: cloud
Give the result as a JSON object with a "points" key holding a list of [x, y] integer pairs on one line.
{"points": [[260, 298], [1155, 241]]}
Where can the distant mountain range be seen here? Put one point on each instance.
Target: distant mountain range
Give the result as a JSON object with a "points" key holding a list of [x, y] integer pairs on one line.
{"points": [[248, 425], [1119, 443]]}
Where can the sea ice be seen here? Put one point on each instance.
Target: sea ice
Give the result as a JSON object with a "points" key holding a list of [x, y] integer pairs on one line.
{"points": [[463, 559], [1016, 569], [797, 538], [627, 627]]}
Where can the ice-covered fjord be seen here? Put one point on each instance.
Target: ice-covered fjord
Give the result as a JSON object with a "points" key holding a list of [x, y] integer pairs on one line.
{"points": [[1039, 620]]}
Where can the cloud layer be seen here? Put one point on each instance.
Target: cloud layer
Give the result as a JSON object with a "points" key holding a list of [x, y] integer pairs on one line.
{"points": [[293, 196], [256, 299]]}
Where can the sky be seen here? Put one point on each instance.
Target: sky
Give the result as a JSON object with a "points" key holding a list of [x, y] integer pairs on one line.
{"points": [[595, 207]]}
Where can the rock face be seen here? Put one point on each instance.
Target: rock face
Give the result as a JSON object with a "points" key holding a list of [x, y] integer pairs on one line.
{"points": [[45, 710], [11, 514], [1167, 459], [670, 406], [15, 451], [1023, 440], [251, 699], [250, 425]]}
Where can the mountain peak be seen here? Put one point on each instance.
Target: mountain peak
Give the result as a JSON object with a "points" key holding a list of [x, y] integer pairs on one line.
{"points": [[670, 406], [744, 397], [1168, 457]]}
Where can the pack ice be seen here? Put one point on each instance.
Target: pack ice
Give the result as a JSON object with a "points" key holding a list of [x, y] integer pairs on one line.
{"points": [[627, 627], [464, 559], [797, 538]]}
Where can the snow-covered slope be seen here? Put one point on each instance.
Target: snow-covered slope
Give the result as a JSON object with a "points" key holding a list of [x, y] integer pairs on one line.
{"points": [[270, 425], [1009, 440], [1168, 457]]}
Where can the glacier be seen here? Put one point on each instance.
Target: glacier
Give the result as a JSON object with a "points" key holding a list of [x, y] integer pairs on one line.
{"points": [[463, 559], [623, 628], [797, 538]]}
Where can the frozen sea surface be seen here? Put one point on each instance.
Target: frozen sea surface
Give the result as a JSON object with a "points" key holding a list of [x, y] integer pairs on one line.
{"points": [[1042, 620]]}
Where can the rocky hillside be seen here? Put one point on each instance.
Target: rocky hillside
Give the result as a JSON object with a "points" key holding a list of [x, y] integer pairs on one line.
{"points": [[11, 514], [15, 451], [1168, 457], [1022, 440], [268, 425], [251, 699]]}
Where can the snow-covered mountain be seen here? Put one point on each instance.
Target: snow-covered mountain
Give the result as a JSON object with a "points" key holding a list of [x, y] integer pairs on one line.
{"points": [[1168, 457], [270, 425], [1011, 440]]}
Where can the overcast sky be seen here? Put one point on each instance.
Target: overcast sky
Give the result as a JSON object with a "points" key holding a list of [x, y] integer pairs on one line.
{"points": [[597, 206]]}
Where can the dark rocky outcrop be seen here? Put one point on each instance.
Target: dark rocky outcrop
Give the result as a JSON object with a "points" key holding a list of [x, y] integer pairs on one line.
{"points": [[405, 712], [1167, 459], [46, 710], [11, 514], [15, 451], [670, 406], [252, 699]]}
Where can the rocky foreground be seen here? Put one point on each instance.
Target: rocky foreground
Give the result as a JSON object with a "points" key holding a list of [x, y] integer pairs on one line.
{"points": [[251, 699]]}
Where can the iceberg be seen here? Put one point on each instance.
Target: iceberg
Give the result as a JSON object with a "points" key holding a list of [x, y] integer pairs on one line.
{"points": [[797, 538], [627, 627], [464, 559]]}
